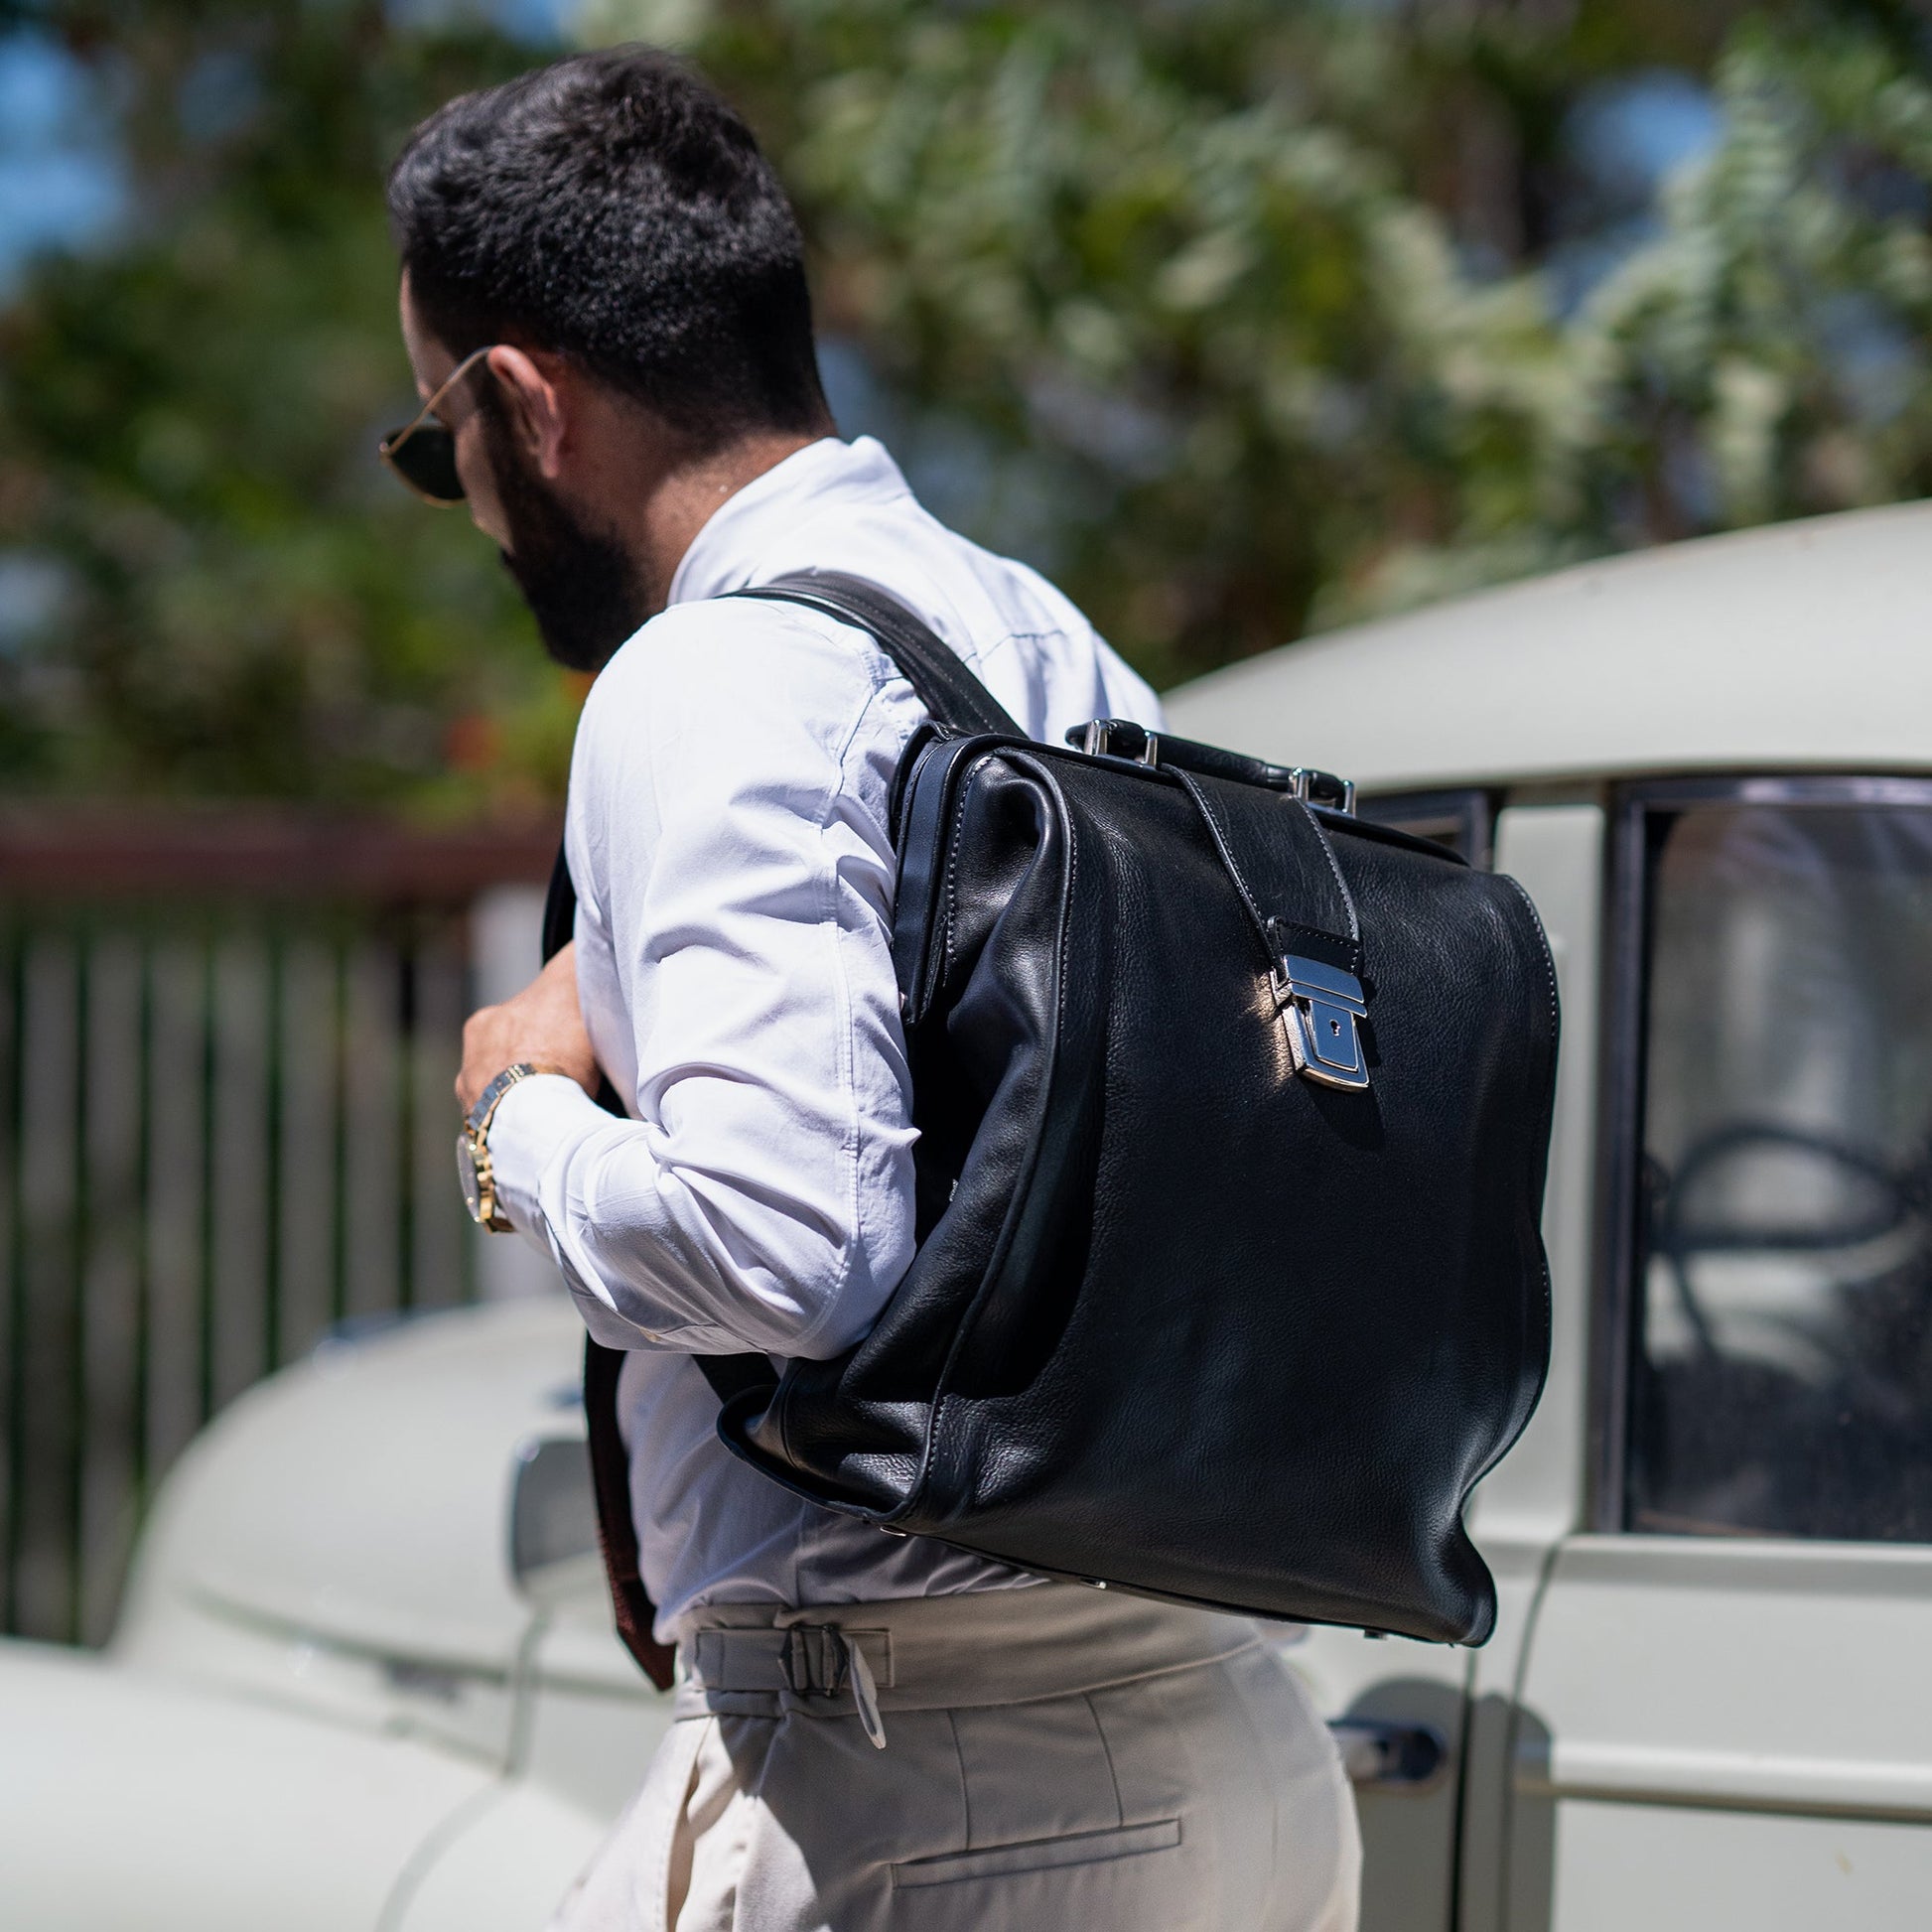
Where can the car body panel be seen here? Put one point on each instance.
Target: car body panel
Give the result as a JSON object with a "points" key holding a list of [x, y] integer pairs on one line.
{"points": [[327, 1703], [1523, 1509], [594, 1718], [136, 1803], [1757, 1712], [336, 1539], [286, 1509], [1790, 648], [1624, 1867], [1537, 1494], [504, 1862]]}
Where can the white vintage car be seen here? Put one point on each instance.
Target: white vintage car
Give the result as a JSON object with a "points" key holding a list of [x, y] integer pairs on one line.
{"points": [[365, 1678]]}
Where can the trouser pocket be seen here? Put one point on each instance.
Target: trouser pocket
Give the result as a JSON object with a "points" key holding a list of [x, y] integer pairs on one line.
{"points": [[1038, 1855]]}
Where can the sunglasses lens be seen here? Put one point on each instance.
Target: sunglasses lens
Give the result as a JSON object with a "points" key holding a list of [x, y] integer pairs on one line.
{"points": [[426, 461]]}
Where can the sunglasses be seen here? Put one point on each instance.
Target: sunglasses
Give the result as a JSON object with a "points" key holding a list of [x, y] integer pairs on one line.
{"points": [[422, 452]]}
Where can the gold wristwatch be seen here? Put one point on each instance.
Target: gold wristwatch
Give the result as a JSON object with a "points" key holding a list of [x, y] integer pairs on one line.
{"points": [[472, 1146]]}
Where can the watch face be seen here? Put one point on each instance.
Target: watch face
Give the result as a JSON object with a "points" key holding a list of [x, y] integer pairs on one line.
{"points": [[465, 1168]]}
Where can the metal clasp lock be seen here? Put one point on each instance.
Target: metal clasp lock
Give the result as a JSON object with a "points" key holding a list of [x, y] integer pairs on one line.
{"points": [[1321, 1008]]}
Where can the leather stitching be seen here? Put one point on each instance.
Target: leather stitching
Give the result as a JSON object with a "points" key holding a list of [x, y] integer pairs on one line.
{"points": [[1549, 963], [1218, 832], [939, 784], [1543, 946], [944, 1394], [951, 878], [1341, 885], [1265, 925]]}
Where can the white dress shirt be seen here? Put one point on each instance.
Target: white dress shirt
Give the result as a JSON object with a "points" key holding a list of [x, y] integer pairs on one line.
{"points": [[727, 832]]}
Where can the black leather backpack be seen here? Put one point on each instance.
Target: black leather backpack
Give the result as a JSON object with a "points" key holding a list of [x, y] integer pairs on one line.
{"points": [[1233, 1115]]}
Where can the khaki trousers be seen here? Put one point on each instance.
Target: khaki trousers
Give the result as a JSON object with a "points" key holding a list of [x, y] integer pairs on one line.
{"points": [[1056, 1761]]}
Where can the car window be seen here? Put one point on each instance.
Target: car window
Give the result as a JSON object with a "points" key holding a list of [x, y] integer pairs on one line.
{"points": [[1457, 819], [1781, 1379]]}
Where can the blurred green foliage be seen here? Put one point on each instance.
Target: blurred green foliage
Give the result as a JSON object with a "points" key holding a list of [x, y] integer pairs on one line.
{"points": [[1264, 288], [243, 601], [1250, 316]]}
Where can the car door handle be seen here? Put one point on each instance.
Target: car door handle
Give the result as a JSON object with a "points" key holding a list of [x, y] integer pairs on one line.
{"points": [[1389, 1755]]}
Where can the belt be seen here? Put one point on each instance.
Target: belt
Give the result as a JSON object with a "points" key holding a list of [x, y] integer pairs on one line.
{"points": [[935, 1653]]}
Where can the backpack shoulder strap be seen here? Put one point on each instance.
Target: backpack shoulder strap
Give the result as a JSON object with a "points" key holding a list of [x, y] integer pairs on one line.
{"points": [[954, 698], [937, 674], [617, 1535]]}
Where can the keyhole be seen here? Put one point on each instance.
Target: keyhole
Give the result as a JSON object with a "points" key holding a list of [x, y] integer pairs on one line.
{"points": [[1335, 1025]]}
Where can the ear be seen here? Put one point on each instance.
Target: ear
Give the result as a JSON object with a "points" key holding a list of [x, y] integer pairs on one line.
{"points": [[537, 404]]}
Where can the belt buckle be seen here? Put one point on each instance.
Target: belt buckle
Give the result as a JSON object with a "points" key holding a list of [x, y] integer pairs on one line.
{"points": [[814, 1660]]}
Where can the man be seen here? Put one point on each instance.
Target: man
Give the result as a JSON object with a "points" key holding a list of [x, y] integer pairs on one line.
{"points": [[603, 301]]}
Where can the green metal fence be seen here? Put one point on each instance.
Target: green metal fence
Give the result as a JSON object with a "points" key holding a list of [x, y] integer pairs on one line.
{"points": [[225, 1127]]}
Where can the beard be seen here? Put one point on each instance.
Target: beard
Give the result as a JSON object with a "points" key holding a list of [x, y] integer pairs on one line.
{"points": [[579, 584]]}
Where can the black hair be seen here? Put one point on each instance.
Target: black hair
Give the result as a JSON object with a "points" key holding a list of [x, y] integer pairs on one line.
{"points": [[613, 208]]}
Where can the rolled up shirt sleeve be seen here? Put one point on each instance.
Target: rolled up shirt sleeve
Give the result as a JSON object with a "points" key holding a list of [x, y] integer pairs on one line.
{"points": [[728, 837]]}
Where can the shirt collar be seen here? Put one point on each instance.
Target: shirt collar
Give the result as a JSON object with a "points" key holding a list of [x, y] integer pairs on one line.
{"points": [[728, 553]]}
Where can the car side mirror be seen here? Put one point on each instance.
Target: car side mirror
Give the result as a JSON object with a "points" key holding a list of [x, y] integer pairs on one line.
{"points": [[553, 1546]]}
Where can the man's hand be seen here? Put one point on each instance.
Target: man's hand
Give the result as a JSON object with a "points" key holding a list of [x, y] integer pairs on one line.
{"points": [[543, 1024]]}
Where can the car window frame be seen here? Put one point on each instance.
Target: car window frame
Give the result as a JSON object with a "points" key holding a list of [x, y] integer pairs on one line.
{"points": [[1469, 811], [1640, 811]]}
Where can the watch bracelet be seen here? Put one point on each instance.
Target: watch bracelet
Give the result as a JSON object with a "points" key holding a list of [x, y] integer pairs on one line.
{"points": [[488, 1215]]}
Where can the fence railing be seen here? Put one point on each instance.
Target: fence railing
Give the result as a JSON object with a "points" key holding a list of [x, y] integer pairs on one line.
{"points": [[225, 1127]]}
